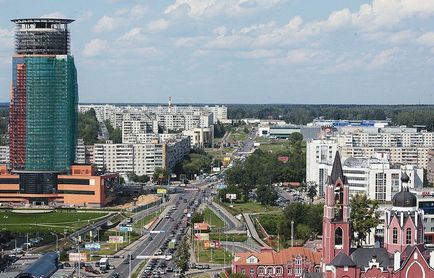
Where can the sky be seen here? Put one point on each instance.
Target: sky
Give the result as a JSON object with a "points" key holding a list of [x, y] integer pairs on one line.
{"points": [[241, 51]]}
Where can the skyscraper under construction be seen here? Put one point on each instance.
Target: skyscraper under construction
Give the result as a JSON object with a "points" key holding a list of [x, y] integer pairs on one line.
{"points": [[44, 97]]}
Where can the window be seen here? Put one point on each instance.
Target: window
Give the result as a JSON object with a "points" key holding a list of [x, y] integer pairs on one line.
{"points": [[395, 235], [243, 271], [270, 270], [380, 186], [298, 268], [252, 271], [338, 236], [408, 236], [289, 271], [279, 271], [261, 270]]}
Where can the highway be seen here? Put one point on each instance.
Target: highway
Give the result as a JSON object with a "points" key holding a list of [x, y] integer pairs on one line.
{"points": [[164, 229]]}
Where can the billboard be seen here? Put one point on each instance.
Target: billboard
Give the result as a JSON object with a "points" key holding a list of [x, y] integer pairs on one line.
{"points": [[231, 196], [213, 244], [77, 257], [201, 236], [125, 229], [116, 239], [92, 246], [161, 191]]}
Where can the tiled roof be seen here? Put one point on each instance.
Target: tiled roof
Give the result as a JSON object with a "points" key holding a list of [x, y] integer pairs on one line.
{"points": [[269, 257]]}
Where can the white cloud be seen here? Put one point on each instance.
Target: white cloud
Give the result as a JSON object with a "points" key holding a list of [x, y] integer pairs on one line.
{"points": [[158, 25], [55, 14], [104, 24], [6, 38], [136, 11], [95, 47], [365, 61], [134, 35], [426, 39], [200, 8], [296, 56], [258, 54], [85, 16], [119, 18], [383, 58]]}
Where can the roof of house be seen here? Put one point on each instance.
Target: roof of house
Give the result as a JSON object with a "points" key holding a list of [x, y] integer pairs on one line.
{"points": [[362, 257], [342, 260], [269, 257]]}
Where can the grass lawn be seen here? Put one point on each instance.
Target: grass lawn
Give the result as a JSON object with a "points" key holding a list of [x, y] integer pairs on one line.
{"points": [[136, 273], [144, 221], [219, 256], [238, 135], [56, 221], [212, 219], [249, 207], [228, 237], [110, 248]]}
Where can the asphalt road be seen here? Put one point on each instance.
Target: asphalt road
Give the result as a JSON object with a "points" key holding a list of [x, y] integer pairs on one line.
{"points": [[149, 247]]}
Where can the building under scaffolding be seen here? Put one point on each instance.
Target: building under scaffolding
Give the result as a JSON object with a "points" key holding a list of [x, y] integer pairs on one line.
{"points": [[43, 108]]}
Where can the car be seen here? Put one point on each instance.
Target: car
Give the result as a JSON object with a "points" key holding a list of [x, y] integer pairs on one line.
{"points": [[116, 275], [206, 266], [199, 266], [169, 269], [88, 268]]}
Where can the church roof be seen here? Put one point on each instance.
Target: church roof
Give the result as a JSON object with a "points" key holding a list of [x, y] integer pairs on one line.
{"points": [[337, 171], [404, 199], [362, 257], [342, 260]]}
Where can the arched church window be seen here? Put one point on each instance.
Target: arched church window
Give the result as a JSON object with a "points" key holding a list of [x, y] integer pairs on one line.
{"points": [[338, 236]]}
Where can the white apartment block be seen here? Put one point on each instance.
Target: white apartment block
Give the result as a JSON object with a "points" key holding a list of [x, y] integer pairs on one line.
{"points": [[106, 111], [138, 131], [4, 154], [142, 159], [80, 152], [373, 170], [201, 137]]}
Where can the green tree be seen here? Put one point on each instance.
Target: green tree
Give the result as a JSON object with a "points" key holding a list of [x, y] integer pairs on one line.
{"points": [[363, 216], [266, 195], [160, 176], [197, 217], [88, 127], [303, 231], [115, 134], [311, 189], [183, 255]]}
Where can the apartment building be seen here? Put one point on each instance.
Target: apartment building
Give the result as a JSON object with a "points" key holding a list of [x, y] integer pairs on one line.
{"points": [[4, 154], [139, 131], [376, 175], [141, 159], [106, 111]]}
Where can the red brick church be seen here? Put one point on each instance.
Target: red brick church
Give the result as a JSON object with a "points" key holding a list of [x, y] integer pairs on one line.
{"points": [[404, 253]]}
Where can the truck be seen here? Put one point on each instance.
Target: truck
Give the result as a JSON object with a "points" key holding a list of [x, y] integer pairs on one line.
{"points": [[104, 264]]}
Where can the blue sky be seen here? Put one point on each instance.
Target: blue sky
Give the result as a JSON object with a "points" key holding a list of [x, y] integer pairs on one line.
{"points": [[242, 51]]}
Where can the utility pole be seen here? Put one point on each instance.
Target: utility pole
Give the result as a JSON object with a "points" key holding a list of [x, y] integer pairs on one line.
{"points": [[129, 257], [292, 233]]}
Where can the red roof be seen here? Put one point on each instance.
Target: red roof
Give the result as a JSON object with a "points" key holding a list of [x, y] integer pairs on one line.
{"points": [[269, 257]]}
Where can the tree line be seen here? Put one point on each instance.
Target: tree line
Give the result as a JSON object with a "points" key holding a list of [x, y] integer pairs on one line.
{"points": [[408, 115]]}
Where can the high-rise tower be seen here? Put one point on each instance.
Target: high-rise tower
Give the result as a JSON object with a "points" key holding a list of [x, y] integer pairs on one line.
{"points": [[44, 97]]}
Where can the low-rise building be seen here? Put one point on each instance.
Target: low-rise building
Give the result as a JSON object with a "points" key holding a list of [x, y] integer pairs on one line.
{"points": [[288, 263], [83, 187]]}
